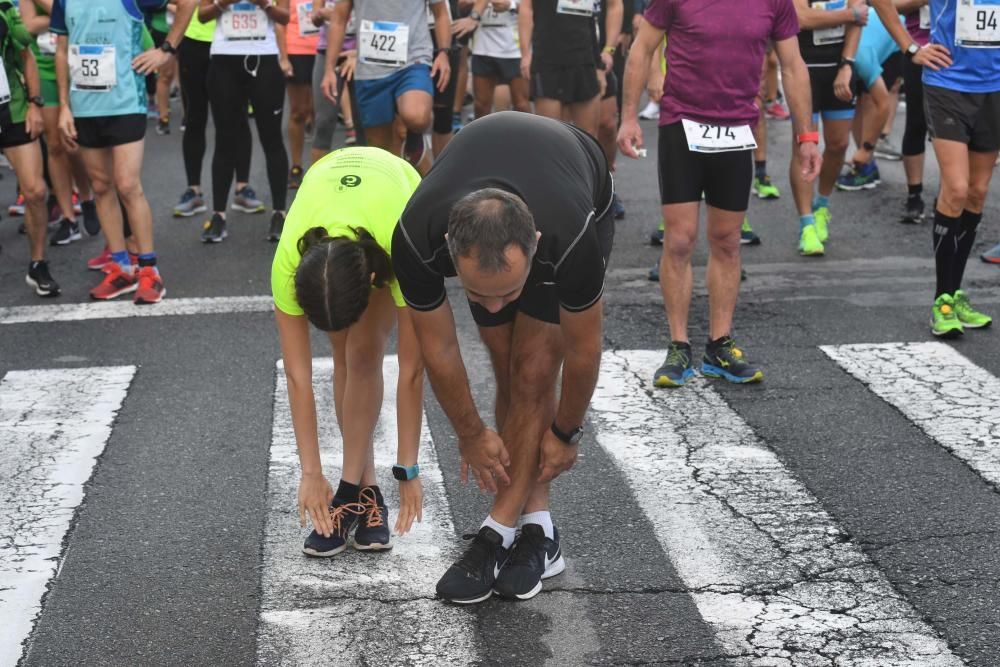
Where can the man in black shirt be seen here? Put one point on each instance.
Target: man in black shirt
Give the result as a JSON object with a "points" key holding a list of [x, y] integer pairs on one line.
{"points": [[518, 207]]}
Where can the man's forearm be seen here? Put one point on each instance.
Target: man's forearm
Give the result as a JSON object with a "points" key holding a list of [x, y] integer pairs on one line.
{"points": [[581, 369], [182, 17], [62, 70], [450, 383], [636, 73], [525, 28], [613, 24], [796, 84]]}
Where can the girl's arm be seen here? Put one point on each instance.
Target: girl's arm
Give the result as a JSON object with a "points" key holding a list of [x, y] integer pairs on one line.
{"points": [[409, 408], [315, 492]]}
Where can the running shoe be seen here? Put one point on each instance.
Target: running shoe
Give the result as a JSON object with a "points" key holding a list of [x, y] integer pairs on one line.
{"points": [[116, 282], [373, 533], [350, 136], [967, 315], [676, 369], [944, 319], [765, 189], [414, 148], [245, 199], [913, 210], [619, 207], [41, 280], [67, 232], [456, 122], [809, 243], [886, 151], [343, 516], [777, 111], [654, 274], [55, 213], [855, 178], [277, 224], [532, 558], [150, 289], [650, 112], [152, 111], [17, 208], [656, 238], [747, 235], [191, 203], [91, 223], [214, 230], [295, 178], [163, 126], [724, 359], [470, 579], [77, 207], [99, 262], [21, 229], [991, 256], [822, 217]]}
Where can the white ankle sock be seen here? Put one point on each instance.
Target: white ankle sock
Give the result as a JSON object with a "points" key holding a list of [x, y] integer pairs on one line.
{"points": [[543, 519], [506, 532]]}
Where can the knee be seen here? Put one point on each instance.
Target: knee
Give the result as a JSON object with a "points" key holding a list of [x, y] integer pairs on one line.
{"points": [[101, 185], [365, 359], [533, 373], [300, 115], [724, 245], [34, 190], [975, 197], [482, 109], [955, 191], [608, 124], [129, 188], [417, 119], [836, 146], [679, 245]]}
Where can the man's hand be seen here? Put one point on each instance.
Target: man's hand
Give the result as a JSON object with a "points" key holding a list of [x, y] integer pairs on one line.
{"points": [[842, 84], [526, 66], [348, 66], [934, 56], [859, 10], [487, 457], [441, 70], [630, 138], [33, 122], [811, 161], [411, 505], [329, 85], [315, 495], [67, 127], [556, 457], [602, 81], [608, 60], [148, 62], [464, 26], [286, 66]]}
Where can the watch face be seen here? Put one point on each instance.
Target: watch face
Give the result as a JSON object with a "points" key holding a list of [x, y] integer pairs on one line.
{"points": [[399, 473]]}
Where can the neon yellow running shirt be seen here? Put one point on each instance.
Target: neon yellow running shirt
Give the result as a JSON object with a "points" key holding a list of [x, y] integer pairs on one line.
{"points": [[360, 187]]}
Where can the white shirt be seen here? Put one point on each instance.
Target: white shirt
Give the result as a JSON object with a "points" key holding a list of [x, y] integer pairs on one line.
{"points": [[496, 35], [249, 15]]}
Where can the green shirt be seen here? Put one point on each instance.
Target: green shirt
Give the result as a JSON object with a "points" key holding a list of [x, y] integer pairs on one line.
{"points": [[16, 38], [198, 31], [360, 187]]}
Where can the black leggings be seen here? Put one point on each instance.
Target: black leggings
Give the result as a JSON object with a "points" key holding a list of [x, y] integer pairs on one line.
{"points": [[193, 62], [233, 83], [915, 135]]}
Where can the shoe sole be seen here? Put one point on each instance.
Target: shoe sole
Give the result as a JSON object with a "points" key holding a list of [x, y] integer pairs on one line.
{"points": [[754, 241], [147, 302], [767, 196], [117, 294], [374, 546], [274, 238], [72, 237], [888, 156], [247, 209], [38, 290], [966, 325], [950, 334], [323, 554], [990, 260], [555, 568], [813, 253], [195, 211], [911, 220], [214, 239], [855, 188], [664, 382], [711, 371]]}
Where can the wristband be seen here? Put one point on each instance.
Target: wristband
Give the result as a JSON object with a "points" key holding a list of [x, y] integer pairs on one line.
{"points": [[443, 49], [610, 50], [807, 136], [868, 146], [857, 14]]}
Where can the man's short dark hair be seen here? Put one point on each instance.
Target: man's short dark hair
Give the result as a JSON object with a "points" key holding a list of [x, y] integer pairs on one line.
{"points": [[489, 221]]}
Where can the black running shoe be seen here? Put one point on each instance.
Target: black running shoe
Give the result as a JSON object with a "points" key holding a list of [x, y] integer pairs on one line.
{"points": [[676, 369], [66, 234], [344, 517], [532, 558], [471, 578], [41, 280], [723, 359], [277, 224], [214, 230], [88, 208], [913, 211], [373, 533]]}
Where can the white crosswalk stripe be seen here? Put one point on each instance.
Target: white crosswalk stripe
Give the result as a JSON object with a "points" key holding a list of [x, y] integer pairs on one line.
{"points": [[53, 426], [767, 567], [950, 398], [356, 608]]}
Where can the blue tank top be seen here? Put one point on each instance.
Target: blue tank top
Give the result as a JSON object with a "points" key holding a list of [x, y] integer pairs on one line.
{"points": [[974, 70]]}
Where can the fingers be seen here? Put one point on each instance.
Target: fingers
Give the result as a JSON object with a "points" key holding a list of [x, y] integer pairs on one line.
{"points": [[504, 457], [463, 472], [302, 515], [499, 473], [487, 481]]}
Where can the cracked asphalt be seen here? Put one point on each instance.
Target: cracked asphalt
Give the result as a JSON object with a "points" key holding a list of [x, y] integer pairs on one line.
{"points": [[857, 534]]}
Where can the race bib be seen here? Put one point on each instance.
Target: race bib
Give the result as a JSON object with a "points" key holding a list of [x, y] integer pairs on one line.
{"points": [[576, 7], [925, 17], [383, 43], [704, 138], [92, 67], [977, 24], [4, 84], [244, 22], [46, 43], [495, 19], [306, 27], [835, 35]]}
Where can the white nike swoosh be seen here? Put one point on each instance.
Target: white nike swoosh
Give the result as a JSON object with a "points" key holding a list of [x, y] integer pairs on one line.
{"points": [[277, 111], [496, 571]]}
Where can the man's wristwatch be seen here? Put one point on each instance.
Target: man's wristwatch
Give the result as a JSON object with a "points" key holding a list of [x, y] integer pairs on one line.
{"points": [[405, 473], [475, 16], [846, 61], [37, 100], [167, 47], [912, 49], [571, 438]]}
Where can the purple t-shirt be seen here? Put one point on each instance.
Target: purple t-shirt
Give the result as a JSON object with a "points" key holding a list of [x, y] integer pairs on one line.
{"points": [[921, 36], [715, 51]]}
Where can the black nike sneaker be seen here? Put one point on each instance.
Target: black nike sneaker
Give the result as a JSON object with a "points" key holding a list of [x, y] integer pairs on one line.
{"points": [[471, 578], [532, 558]]}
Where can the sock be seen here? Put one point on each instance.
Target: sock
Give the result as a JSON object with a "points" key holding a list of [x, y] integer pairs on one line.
{"points": [[378, 493], [543, 519], [806, 220], [122, 260], [506, 532], [819, 201], [148, 259], [346, 492], [963, 241], [945, 235], [915, 190], [760, 169]]}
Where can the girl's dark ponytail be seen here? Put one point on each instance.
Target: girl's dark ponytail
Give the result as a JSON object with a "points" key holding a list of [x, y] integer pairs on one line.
{"points": [[376, 259]]}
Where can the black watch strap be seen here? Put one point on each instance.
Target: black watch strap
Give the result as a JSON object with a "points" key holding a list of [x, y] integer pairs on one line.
{"points": [[571, 438], [37, 100], [167, 47]]}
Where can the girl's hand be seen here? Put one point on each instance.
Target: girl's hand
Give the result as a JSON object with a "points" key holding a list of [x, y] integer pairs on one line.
{"points": [[411, 505], [315, 496]]}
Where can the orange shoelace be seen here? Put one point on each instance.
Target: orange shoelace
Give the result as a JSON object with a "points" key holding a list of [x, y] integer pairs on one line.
{"points": [[369, 502], [337, 513]]}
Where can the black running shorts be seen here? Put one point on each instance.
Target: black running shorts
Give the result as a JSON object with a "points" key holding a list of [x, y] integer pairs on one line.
{"points": [[502, 70], [569, 84], [969, 118], [725, 178], [14, 134], [108, 131], [302, 69]]}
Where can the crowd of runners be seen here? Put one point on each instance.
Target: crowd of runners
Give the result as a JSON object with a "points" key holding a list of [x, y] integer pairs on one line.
{"points": [[519, 204]]}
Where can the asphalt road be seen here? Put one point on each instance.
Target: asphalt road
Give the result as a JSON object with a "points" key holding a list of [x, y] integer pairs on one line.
{"points": [[819, 518]]}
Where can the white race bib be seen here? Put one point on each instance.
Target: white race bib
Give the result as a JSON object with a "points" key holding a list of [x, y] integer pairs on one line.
{"points": [[4, 84], [244, 22], [495, 19], [704, 138], [306, 27], [46, 43], [576, 7], [834, 35], [977, 24], [92, 67], [925, 17], [383, 43]]}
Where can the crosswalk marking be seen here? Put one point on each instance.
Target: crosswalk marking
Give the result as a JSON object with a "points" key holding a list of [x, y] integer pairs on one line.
{"points": [[356, 608], [951, 399], [103, 310], [767, 567], [53, 426]]}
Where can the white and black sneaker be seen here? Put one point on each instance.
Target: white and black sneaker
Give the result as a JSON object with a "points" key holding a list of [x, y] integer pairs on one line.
{"points": [[276, 226], [66, 233], [41, 280], [532, 558], [471, 578]]}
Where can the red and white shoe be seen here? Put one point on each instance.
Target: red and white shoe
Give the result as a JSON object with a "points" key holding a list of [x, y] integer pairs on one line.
{"points": [[116, 282], [151, 289], [103, 260]]}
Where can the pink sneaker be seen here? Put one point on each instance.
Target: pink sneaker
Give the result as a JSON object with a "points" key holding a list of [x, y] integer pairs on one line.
{"points": [[777, 111]]}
